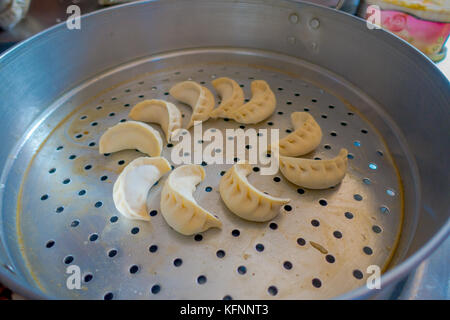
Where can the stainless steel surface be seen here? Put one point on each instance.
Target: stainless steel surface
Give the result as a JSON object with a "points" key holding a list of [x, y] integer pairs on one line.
{"points": [[70, 219], [431, 279], [46, 13], [96, 49]]}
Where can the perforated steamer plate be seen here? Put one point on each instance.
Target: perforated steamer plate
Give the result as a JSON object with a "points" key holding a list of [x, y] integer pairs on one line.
{"points": [[321, 248]]}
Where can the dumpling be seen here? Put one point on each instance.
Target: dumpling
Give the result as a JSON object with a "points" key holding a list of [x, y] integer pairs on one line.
{"points": [[178, 206], [198, 97], [245, 200], [131, 135], [164, 113], [304, 139], [133, 184], [232, 97], [315, 174], [260, 107]]}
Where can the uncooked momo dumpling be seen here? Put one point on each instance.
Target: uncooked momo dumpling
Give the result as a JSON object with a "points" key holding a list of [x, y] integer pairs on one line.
{"points": [[164, 113], [315, 174], [133, 184], [260, 107], [131, 135], [178, 206], [245, 200], [304, 139], [232, 97], [198, 97]]}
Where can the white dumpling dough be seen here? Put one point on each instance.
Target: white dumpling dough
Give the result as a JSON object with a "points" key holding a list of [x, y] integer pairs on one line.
{"points": [[178, 206], [198, 97], [131, 135], [260, 107], [245, 200], [164, 113], [315, 174], [232, 97], [134, 183], [304, 139]]}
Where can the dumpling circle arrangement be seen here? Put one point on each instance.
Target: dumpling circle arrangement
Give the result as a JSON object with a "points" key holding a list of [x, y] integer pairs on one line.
{"points": [[178, 205]]}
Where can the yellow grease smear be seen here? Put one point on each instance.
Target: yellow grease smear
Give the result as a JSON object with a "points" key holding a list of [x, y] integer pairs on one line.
{"points": [[19, 233], [317, 246]]}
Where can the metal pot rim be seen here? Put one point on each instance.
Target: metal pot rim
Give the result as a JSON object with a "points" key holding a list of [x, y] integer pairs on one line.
{"points": [[395, 274]]}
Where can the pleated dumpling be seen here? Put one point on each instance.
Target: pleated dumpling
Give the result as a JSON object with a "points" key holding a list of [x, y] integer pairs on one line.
{"points": [[315, 174], [164, 113], [133, 184], [245, 200], [131, 135], [260, 107], [304, 139], [232, 97], [197, 96], [178, 206]]}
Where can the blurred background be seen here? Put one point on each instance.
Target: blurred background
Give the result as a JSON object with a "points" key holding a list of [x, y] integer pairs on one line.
{"points": [[423, 23]]}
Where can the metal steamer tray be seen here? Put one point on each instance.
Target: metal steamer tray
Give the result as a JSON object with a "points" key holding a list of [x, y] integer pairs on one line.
{"points": [[57, 207]]}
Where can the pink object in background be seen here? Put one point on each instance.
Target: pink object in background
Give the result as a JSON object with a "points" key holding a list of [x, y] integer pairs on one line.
{"points": [[427, 36]]}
